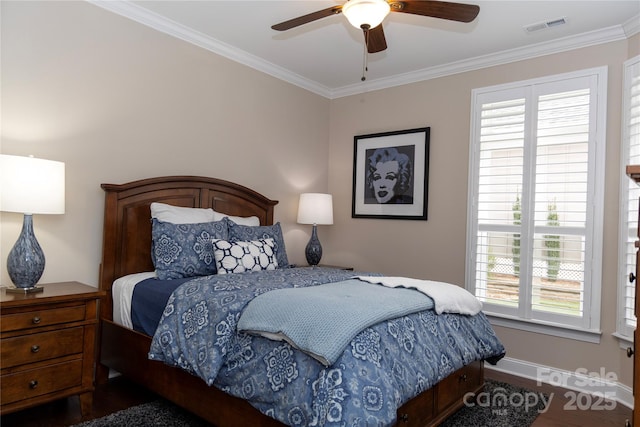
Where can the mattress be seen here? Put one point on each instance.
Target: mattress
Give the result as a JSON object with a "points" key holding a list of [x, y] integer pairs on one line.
{"points": [[122, 293]]}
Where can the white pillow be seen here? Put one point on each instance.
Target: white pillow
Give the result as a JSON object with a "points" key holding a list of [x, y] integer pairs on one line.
{"points": [[252, 221], [181, 215], [238, 257]]}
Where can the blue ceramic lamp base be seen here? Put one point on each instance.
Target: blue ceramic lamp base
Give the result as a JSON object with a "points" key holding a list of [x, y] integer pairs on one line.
{"points": [[313, 251], [25, 263]]}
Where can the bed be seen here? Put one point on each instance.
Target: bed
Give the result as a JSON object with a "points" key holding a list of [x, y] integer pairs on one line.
{"points": [[127, 243]]}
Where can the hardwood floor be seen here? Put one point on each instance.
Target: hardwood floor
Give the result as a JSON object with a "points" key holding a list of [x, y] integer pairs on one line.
{"points": [[557, 415], [120, 394]]}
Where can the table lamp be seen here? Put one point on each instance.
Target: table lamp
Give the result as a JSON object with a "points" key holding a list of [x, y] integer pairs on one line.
{"points": [[316, 209], [29, 186]]}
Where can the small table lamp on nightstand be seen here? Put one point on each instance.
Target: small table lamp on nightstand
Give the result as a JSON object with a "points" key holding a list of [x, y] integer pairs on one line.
{"points": [[29, 186], [316, 209]]}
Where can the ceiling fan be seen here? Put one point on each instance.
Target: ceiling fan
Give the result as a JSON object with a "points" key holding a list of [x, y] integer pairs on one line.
{"points": [[369, 14]]}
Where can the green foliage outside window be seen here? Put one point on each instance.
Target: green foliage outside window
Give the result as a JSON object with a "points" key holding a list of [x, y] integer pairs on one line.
{"points": [[552, 243], [515, 247]]}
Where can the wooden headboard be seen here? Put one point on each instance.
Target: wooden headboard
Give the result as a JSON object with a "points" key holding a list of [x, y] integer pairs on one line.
{"points": [[126, 246]]}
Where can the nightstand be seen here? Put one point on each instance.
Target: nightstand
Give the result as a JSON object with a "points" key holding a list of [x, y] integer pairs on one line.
{"points": [[48, 345]]}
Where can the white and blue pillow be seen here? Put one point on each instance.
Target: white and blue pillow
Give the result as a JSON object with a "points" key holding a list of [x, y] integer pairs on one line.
{"points": [[241, 256], [244, 233], [185, 250]]}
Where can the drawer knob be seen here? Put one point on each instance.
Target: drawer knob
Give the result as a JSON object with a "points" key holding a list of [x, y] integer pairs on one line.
{"points": [[463, 378], [629, 351], [627, 423], [33, 384], [35, 348], [632, 277], [404, 418], [36, 320]]}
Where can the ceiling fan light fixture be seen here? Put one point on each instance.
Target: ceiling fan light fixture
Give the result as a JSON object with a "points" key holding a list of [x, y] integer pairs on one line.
{"points": [[366, 13]]}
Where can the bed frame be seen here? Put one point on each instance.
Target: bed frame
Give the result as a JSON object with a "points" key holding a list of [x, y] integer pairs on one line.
{"points": [[127, 249]]}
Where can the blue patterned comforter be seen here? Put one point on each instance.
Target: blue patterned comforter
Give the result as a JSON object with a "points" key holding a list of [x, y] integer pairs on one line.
{"points": [[322, 320], [382, 368]]}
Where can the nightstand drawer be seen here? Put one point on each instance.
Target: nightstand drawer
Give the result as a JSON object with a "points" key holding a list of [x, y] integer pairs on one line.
{"points": [[37, 382], [39, 318], [36, 347]]}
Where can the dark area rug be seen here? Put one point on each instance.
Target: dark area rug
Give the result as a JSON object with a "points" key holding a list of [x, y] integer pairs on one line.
{"points": [[499, 405], [159, 413]]}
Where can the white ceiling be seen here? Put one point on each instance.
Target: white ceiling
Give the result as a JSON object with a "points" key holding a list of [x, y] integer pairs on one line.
{"points": [[327, 56]]}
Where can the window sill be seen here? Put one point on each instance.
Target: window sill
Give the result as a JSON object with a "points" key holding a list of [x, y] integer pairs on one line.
{"points": [[553, 329], [623, 340]]}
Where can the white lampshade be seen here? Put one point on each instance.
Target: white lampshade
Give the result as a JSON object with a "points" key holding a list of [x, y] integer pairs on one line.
{"points": [[315, 208], [368, 13], [31, 186]]}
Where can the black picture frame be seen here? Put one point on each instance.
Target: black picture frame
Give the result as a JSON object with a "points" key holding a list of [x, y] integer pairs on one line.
{"points": [[391, 175]]}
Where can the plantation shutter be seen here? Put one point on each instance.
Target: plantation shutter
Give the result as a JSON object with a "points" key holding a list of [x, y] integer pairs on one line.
{"points": [[535, 217], [501, 162], [560, 207], [631, 193]]}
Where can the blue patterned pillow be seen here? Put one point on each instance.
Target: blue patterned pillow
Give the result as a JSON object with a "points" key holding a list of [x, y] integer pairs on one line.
{"points": [[247, 233], [185, 250], [238, 257]]}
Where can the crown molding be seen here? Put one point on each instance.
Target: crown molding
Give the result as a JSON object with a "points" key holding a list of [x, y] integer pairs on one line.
{"points": [[632, 26], [160, 23], [143, 16], [592, 38]]}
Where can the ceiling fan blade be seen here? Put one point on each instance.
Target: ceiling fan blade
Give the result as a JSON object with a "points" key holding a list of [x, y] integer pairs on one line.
{"points": [[437, 9], [375, 40], [305, 19]]}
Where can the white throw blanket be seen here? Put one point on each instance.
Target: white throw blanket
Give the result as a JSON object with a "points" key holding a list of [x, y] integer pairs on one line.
{"points": [[447, 298]]}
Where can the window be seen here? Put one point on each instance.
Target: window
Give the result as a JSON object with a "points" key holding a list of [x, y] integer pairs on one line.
{"points": [[534, 245], [629, 195]]}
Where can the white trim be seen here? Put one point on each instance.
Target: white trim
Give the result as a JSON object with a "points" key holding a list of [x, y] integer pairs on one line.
{"points": [[624, 341], [599, 194], [546, 328], [632, 26], [565, 44], [622, 329], [575, 380], [143, 16], [587, 326], [160, 23]]}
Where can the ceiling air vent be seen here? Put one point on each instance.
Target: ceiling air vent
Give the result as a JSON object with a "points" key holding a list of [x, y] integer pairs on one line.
{"points": [[544, 25]]}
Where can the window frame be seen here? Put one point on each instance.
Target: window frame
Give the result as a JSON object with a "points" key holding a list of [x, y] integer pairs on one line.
{"points": [[624, 331], [588, 329]]}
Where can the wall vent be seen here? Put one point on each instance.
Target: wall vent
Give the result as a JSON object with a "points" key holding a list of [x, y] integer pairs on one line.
{"points": [[544, 25]]}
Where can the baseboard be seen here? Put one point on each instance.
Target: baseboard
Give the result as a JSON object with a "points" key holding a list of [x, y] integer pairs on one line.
{"points": [[596, 384]]}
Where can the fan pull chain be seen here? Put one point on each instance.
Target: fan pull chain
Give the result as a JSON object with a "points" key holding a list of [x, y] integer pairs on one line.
{"points": [[365, 59]]}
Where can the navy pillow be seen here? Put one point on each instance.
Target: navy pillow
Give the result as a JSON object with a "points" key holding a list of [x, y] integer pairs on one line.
{"points": [[185, 250], [238, 233]]}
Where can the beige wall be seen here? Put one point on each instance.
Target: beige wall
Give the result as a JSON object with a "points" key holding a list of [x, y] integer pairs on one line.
{"points": [[117, 101], [435, 249], [634, 45]]}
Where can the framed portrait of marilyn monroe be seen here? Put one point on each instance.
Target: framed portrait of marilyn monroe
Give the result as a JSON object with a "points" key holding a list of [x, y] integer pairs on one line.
{"points": [[391, 175]]}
